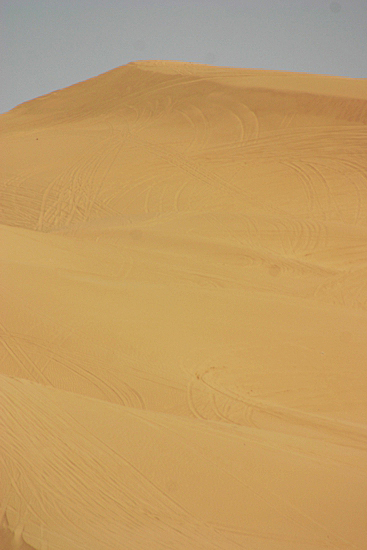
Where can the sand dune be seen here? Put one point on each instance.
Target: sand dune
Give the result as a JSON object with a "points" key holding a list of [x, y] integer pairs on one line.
{"points": [[183, 312]]}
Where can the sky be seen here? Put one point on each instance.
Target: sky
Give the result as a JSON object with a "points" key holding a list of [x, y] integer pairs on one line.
{"points": [[46, 45]]}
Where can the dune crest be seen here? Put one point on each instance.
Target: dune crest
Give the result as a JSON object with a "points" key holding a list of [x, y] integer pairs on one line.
{"points": [[183, 312]]}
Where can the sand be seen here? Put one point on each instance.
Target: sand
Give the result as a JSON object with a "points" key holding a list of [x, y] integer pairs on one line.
{"points": [[183, 312]]}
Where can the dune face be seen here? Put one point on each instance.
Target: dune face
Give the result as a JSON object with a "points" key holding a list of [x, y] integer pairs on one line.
{"points": [[183, 312]]}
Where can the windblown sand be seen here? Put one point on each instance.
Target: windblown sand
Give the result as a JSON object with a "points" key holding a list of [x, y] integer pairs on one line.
{"points": [[183, 312]]}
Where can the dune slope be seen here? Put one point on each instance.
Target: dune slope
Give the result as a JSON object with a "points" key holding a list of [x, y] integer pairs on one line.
{"points": [[183, 258]]}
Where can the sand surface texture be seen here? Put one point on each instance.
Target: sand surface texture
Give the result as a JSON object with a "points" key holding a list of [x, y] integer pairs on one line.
{"points": [[183, 313]]}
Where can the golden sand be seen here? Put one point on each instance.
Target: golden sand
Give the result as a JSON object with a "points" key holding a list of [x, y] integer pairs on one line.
{"points": [[183, 312]]}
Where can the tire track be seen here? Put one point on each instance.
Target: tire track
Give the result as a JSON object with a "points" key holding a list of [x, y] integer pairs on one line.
{"points": [[199, 126], [346, 289], [318, 176], [67, 192], [303, 143], [65, 467], [305, 181], [128, 398], [338, 167], [258, 494], [360, 193], [247, 224], [75, 195], [21, 357], [303, 236], [328, 428], [250, 128], [179, 161], [176, 200]]}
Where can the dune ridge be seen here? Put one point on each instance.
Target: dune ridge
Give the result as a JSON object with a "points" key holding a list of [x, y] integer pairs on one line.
{"points": [[183, 312]]}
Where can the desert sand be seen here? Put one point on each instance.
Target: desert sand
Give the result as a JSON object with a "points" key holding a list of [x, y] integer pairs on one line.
{"points": [[183, 312]]}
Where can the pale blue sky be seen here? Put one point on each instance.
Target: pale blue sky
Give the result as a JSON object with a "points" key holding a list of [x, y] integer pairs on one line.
{"points": [[50, 44]]}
